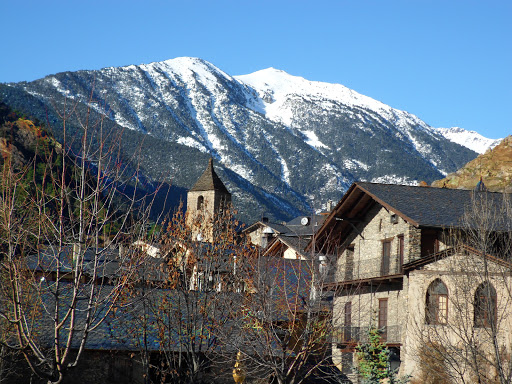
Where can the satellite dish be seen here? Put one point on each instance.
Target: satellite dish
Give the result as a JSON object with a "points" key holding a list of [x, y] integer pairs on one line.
{"points": [[268, 231], [199, 237], [304, 220]]}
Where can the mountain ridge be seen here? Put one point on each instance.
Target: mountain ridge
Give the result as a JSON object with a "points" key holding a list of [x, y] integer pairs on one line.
{"points": [[307, 150], [469, 139]]}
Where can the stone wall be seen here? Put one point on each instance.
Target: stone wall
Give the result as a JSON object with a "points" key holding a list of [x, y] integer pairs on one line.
{"points": [[461, 274], [367, 245]]}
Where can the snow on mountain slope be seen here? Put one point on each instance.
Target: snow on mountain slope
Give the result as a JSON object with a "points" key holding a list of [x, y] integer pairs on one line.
{"points": [[278, 90], [469, 139], [275, 87], [302, 142]]}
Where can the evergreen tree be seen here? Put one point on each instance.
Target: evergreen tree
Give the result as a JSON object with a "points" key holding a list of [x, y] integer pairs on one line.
{"points": [[373, 361]]}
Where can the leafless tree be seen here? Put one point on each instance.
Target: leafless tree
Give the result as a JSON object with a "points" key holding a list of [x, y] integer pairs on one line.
{"points": [[285, 326], [187, 306], [469, 339], [63, 226]]}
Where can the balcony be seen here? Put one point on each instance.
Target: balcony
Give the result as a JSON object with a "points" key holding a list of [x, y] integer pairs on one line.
{"points": [[368, 268], [354, 335]]}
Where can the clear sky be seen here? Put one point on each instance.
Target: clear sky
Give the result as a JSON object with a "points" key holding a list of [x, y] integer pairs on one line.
{"points": [[449, 61]]}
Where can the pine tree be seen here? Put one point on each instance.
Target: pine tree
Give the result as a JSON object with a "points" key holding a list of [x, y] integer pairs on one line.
{"points": [[373, 361]]}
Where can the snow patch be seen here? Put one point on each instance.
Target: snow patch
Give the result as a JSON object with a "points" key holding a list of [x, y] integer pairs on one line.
{"points": [[394, 179], [354, 164], [469, 139], [190, 142], [313, 140]]}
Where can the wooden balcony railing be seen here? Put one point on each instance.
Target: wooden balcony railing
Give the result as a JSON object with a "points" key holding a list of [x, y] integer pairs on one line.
{"points": [[353, 335]]}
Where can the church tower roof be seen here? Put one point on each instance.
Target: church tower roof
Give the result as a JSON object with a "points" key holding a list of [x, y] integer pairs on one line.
{"points": [[209, 181]]}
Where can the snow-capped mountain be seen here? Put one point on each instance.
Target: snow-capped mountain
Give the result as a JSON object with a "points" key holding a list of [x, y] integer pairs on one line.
{"points": [[469, 139], [284, 145]]}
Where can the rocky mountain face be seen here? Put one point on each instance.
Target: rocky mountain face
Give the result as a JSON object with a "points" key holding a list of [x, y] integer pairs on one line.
{"points": [[494, 167], [283, 145]]}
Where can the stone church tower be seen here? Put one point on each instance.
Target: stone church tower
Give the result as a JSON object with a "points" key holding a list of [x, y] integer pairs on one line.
{"points": [[204, 201]]}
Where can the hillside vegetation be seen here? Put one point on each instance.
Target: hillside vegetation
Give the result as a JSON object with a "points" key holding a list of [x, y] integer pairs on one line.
{"points": [[494, 167]]}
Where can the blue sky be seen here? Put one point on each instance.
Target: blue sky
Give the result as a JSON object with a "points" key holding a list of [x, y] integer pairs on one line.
{"points": [[449, 62]]}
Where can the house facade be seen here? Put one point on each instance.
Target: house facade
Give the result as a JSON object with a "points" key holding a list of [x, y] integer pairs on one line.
{"points": [[403, 266]]}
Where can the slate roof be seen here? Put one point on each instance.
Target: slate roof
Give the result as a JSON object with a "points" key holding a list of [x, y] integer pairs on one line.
{"points": [[423, 207], [296, 243], [49, 260], [428, 206], [462, 248], [122, 328], [277, 227], [209, 181], [296, 228], [289, 282]]}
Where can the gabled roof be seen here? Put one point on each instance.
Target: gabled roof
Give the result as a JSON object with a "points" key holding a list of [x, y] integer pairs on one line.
{"points": [[420, 206], [276, 227], [298, 229], [293, 228], [282, 243], [425, 206], [209, 181]]}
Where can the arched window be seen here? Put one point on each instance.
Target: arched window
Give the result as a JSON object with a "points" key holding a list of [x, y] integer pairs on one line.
{"points": [[200, 202], [485, 305], [436, 308]]}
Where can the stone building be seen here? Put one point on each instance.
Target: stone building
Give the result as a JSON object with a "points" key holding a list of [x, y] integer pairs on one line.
{"points": [[205, 201], [407, 264], [289, 239]]}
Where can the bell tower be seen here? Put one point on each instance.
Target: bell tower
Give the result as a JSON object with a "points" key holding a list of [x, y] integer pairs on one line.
{"points": [[204, 202]]}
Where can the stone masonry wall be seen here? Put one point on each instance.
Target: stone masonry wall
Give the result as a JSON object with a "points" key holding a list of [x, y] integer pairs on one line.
{"points": [[367, 245]]}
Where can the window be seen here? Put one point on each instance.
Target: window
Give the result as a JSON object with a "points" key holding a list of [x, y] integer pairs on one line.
{"points": [[429, 242], [485, 305], [400, 252], [200, 202], [349, 263], [386, 254], [436, 311], [347, 329], [383, 318]]}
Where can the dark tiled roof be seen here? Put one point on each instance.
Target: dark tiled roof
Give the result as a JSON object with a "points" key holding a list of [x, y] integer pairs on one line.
{"points": [[288, 283], [298, 229], [100, 262], [297, 243], [52, 259], [429, 206], [293, 228], [277, 227], [209, 181], [122, 329]]}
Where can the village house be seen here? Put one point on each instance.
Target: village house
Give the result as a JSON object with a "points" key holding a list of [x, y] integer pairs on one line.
{"points": [[407, 264], [285, 239]]}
